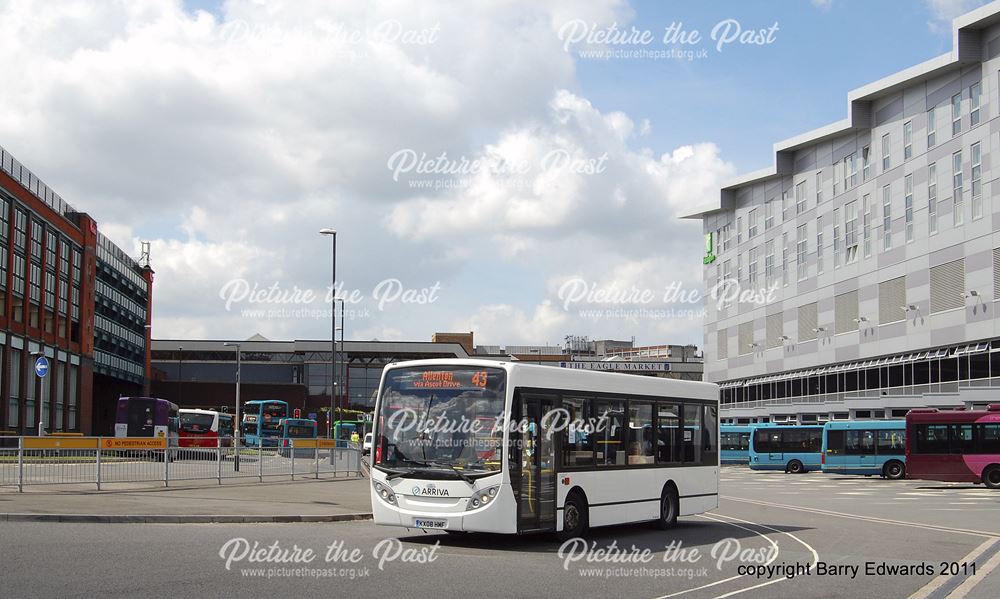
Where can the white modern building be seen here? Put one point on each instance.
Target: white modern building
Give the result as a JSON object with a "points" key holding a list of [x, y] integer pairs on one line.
{"points": [[878, 238]]}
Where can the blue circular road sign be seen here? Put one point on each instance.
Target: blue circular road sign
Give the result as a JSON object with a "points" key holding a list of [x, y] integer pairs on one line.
{"points": [[42, 366]]}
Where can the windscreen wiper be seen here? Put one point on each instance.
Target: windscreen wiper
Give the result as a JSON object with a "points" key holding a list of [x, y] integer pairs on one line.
{"points": [[458, 472]]}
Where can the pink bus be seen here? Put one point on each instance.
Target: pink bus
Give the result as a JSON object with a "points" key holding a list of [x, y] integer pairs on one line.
{"points": [[954, 445]]}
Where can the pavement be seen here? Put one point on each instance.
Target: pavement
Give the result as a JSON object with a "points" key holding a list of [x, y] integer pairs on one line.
{"points": [[197, 501]]}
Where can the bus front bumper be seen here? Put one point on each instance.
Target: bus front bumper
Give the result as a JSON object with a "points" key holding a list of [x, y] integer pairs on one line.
{"points": [[497, 517]]}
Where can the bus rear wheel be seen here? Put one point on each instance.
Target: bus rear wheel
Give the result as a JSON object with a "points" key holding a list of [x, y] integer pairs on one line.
{"points": [[574, 518], [669, 507], [991, 477], [894, 470], [795, 467]]}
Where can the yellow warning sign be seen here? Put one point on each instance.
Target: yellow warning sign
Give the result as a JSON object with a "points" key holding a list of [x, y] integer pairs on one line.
{"points": [[133, 443], [60, 443]]}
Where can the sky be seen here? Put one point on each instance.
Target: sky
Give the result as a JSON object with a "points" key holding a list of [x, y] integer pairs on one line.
{"points": [[513, 168]]}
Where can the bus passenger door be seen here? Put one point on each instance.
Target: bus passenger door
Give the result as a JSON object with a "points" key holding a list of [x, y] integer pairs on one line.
{"points": [[775, 447], [535, 486]]}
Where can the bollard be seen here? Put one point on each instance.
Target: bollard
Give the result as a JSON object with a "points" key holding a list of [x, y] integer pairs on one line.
{"points": [[20, 464], [98, 462]]}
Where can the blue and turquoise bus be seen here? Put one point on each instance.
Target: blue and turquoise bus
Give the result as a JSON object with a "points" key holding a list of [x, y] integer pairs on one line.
{"points": [[262, 422], [735, 444], [865, 447], [792, 448]]}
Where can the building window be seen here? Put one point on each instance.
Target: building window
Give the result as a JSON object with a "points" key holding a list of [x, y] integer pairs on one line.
{"points": [[974, 100], [4, 219], [866, 228], [891, 300], [819, 188], [769, 263], [785, 207], [784, 259], [752, 223], [908, 206], [886, 217], [956, 187], [866, 163], [20, 230], [36, 240], [819, 244], [931, 129], [19, 267], [907, 140], [800, 197], [977, 189], [836, 238], [932, 223], [808, 323], [15, 388], [739, 268], [956, 114], [801, 248], [752, 268], [850, 170], [947, 282], [739, 231], [886, 163], [768, 214], [851, 231]]}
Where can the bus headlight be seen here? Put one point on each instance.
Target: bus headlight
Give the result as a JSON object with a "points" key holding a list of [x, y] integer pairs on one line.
{"points": [[385, 493], [483, 497]]}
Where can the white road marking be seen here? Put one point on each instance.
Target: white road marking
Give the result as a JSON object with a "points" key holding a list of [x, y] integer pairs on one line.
{"points": [[731, 578], [980, 575], [941, 579]]}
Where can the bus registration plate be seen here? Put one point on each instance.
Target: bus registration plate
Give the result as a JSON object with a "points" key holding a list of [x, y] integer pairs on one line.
{"points": [[430, 523]]}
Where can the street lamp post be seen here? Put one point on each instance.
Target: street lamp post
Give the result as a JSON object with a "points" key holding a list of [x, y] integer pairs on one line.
{"points": [[236, 429], [333, 321], [180, 374]]}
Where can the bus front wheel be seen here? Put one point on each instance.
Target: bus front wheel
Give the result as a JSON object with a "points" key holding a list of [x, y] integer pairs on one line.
{"points": [[574, 518], [795, 467], [894, 470], [991, 477], [669, 506]]}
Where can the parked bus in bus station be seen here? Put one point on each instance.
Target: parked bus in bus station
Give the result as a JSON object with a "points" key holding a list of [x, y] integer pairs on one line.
{"points": [[508, 447], [147, 417], [735, 444], [261, 419], [954, 445], [794, 449], [866, 447], [296, 428], [205, 428]]}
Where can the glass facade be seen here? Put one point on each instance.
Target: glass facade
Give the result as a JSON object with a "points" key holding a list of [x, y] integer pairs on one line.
{"points": [[120, 314]]}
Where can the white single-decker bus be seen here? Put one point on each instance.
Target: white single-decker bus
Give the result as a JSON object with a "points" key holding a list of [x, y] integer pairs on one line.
{"points": [[508, 447]]}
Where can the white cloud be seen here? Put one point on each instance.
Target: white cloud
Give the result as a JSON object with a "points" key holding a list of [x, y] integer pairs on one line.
{"points": [[823, 5], [228, 142], [944, 11]]}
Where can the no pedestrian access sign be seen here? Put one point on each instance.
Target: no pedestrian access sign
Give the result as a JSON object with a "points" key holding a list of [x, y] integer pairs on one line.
{"points": [[42, 366]]}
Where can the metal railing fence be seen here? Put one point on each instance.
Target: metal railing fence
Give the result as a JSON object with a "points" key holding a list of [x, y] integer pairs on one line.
{"points": [[34, 461]]}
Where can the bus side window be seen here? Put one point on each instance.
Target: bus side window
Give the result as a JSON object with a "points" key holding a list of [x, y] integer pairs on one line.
{"points": [[692, 433], [835, 442], [709, 442], [667, 433]]}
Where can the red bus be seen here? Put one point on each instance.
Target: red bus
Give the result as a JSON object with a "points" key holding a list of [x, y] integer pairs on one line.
{"points": [[954, 445], [205, 428]]}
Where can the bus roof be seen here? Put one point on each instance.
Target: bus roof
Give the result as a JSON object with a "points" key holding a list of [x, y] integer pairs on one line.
{"points": [[736, 428], [846, 425], [156, 399], [521, 374], [954, 416], [199, 411], [295, 421], [783, 426], [266, 401]]}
